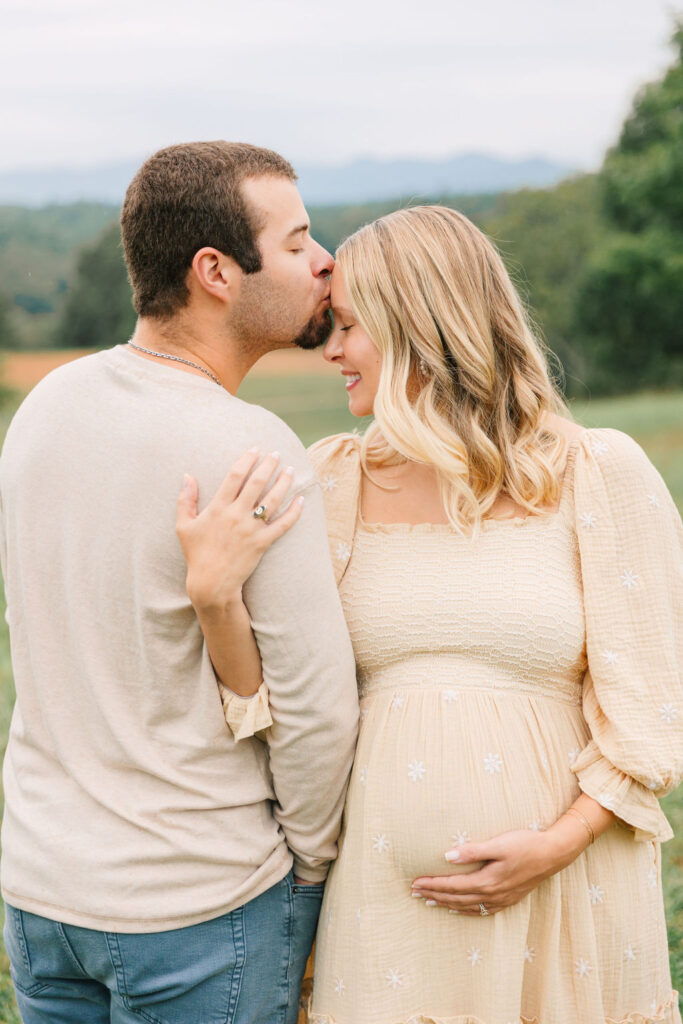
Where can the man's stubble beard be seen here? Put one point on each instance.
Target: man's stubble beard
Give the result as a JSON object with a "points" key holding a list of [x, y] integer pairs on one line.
{"points": [[316, 332], [258, 321]]}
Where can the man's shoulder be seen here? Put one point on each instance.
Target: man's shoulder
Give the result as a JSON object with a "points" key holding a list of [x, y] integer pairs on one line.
{"points": [[261, 428], [58, 389], [69, 374]]}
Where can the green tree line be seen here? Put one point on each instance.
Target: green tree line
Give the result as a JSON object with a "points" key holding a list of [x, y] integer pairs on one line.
{"points": [[598, 258]]}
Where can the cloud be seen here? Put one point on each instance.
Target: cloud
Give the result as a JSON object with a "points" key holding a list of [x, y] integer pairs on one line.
{"points": [[86, 83]]}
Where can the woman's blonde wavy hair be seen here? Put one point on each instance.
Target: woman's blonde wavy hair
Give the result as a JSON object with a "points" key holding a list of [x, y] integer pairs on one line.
{"points": [[464, 385]]}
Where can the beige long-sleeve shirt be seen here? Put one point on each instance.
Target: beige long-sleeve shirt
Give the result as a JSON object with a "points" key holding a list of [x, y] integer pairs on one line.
{"points": [[129, 805]]}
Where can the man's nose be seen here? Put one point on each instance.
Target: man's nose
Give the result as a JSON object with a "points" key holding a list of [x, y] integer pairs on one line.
{"points": [[323, 262]]}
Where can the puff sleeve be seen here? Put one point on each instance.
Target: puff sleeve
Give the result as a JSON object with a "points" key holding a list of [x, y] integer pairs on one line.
{"points": [[336, 461], [631, 549], [246, 716]]}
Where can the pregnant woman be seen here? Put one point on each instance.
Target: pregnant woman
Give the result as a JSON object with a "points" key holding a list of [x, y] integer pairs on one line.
{"points": [[513, 588]]}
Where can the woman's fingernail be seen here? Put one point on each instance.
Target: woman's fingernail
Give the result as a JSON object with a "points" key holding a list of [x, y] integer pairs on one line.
{"points": [[253, 451], [275, 455], [453, 911], [452, 855], [300, 499], [290, 471], [416, 895], [430, 903]]}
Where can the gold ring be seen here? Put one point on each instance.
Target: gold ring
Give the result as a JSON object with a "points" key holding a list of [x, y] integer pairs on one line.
{"points": [[261, 512]]}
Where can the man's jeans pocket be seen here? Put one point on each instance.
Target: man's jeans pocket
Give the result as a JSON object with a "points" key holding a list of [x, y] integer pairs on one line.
{"points": [[21, 967], [183, 975]]}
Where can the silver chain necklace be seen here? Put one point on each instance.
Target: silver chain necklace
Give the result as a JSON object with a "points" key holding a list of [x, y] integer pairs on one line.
{"points": [[177, 359]]}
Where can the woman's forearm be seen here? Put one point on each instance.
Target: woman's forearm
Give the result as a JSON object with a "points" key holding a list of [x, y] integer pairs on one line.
{"points": [[570, 835], [231, 644]]}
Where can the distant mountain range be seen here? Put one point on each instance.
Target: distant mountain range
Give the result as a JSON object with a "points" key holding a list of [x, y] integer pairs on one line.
{"points": [[359, 181]]}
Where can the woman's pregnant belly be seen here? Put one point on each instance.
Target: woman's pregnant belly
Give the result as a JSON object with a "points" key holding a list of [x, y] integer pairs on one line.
{"points": [[437, 767]]}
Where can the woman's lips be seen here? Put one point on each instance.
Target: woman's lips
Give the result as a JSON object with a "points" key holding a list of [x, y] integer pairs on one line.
{"points": [[352, 381]]}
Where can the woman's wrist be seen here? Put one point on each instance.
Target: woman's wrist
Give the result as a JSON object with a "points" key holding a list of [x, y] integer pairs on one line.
{"points": [[565, 840], [211, 603]]}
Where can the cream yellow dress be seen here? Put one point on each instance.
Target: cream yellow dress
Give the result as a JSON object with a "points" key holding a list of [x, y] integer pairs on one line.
{"points": [[499, 677]]}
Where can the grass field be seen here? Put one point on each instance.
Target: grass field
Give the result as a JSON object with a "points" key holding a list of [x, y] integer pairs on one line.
{"points": [[314, 406]]}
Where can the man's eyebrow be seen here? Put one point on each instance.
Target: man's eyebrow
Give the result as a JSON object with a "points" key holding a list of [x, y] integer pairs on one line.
{"points": [[298, 230]]}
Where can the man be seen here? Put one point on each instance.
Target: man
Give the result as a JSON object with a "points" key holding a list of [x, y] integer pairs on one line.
{"points": [[147, 855]]}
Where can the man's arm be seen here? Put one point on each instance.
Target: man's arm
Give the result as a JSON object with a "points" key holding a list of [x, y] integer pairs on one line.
{"points": [[309, 669], [225, 535]]}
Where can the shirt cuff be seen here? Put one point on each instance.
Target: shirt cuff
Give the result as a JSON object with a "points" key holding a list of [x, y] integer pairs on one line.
{"points": [[308, 874], [246, 716], [631, 801]]}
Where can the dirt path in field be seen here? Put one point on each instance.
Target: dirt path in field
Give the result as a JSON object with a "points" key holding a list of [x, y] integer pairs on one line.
{"points": [[23, 370]]}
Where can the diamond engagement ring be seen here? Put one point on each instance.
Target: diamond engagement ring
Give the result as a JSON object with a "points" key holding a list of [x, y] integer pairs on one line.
{"points": [[483, 911], [261, 512]]}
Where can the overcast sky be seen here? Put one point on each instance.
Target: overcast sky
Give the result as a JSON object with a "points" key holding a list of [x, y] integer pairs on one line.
{"points": [[86, 83]]}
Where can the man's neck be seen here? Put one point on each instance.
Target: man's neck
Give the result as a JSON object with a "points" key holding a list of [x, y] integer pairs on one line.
{"points": [[207, 349]]}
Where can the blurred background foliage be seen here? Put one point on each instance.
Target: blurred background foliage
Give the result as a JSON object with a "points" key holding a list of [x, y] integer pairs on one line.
{"points": [[598, 258]]}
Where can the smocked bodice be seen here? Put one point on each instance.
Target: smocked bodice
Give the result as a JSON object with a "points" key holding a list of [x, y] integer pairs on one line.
{"points": [[501, 610]]}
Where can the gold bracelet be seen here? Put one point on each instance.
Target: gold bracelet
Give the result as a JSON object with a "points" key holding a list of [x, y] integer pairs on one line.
{"points": [[584, 819]]}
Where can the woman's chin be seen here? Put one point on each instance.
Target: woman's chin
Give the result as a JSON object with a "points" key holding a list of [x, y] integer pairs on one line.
{"points": [[358, 406]]}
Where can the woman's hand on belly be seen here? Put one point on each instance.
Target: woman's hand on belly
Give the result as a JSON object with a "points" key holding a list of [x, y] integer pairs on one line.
{"points": [[515, 863]]}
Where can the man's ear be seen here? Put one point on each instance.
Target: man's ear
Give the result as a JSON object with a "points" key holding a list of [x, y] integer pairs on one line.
{"points": [[216, 273]]}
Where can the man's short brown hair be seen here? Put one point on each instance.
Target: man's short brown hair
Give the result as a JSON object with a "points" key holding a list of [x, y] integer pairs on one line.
{"points": [[184, 198]]}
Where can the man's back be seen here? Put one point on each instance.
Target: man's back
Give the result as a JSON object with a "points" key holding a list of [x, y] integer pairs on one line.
{"points": [[129, 805]]}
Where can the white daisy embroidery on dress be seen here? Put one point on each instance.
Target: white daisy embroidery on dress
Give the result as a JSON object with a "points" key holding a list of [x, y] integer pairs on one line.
{"points": [[629, 579], [607, 801], [416, 771], [588, 520], [596, 894], [529, 954], [363, 775], [340, 987], [359, 915], [493, 764], [583, 967], [598, 447], [652, 878], [610, 656], [398, 701], [461, 837], [573, 754], [536, 826], [394, 979], [343, 550], [653, 500], [652, 784], [328, 483], [630, 953], [668, 713], [450, 696], [474, 956], [380, 843]]}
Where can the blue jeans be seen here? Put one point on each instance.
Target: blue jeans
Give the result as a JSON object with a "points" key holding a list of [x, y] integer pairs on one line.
{"points": [[242, 968]]}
